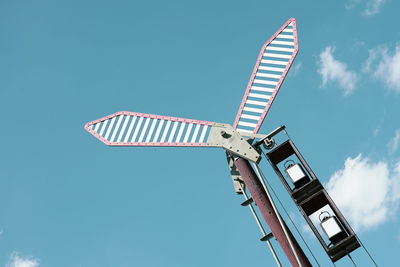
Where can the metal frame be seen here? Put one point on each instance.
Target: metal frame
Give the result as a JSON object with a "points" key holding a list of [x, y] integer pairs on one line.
{"points": [[310, 198], [290, 149], [345, 246]]}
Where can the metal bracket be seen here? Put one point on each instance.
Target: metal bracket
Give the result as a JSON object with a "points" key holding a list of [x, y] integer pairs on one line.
{"points": [[267, 237], [267, 139], [224, 135], [236, 178]]}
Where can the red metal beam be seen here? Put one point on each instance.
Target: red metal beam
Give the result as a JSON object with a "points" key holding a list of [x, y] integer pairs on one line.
{"points": [[264, 204]]}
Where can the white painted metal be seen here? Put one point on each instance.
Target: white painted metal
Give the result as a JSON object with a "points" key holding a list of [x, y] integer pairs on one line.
{"points": [[116, 128], [285, 36], [196, 132], [103, 127], [259, 96], [203, 133], [96, 128], [109, 128], [160, 125], [137, 128], [248, 124], [153, 124], [130, 129], [276, 42], [287, 30], [277, 55], [121, 133], [275, 62], [258, 103], [268, 75], [277, 48], [172, 134], [263, 89], [250, 117], [256, 110], [189, 129], [243, 130], [165, 132], [271, 68], [265, 82], [178, 138], [144, 129]]}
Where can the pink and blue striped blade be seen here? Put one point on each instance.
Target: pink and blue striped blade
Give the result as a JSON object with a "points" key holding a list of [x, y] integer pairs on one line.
{"points": [[273, 63], [139, 129]]}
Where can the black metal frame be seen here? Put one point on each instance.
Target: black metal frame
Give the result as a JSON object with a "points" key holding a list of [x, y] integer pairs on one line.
{"points": [[310, 198]]}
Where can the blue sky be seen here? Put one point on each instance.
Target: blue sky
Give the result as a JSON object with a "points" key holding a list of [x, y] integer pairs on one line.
{"points": [[69, 200]]}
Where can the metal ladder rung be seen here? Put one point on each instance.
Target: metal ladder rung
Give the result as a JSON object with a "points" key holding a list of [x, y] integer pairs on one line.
{"points": [[247, 202], [267, 237]]}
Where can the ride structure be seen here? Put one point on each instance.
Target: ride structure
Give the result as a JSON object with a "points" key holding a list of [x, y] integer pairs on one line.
{"points": [[244, 149]]}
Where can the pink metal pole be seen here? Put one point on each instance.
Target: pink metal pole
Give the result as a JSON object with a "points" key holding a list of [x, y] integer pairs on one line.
{"points": [[264, 204]]}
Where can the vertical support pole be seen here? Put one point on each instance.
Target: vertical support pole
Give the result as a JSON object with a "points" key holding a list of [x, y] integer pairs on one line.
{"points": [[266, 208], [271, 248]]}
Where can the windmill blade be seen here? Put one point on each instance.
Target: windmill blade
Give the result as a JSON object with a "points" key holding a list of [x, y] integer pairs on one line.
{"points": [[273, 63], [139, 129]]}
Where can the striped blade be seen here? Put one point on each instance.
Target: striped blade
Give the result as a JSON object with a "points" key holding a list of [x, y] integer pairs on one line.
{"points": [[273, 63], [139, 129]]}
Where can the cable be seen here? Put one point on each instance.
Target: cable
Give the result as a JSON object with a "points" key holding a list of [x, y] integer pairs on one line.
{"points": [[261, 227], [284, 228], [287, 214], [370, 256], [367, 251], [352, 260], [287, 134]]}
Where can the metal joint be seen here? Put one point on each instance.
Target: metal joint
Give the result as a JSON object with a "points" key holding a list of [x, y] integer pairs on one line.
{"points": [[224, 135]]}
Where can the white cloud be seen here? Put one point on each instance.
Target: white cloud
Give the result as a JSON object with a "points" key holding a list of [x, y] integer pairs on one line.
{"points": [[297, 68], [373, 7], [385, 66], [376, 131], [351, 4], [373, 55], [394, 143], [332, 69], [388, 69], [18, 261], [367, 193]]}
